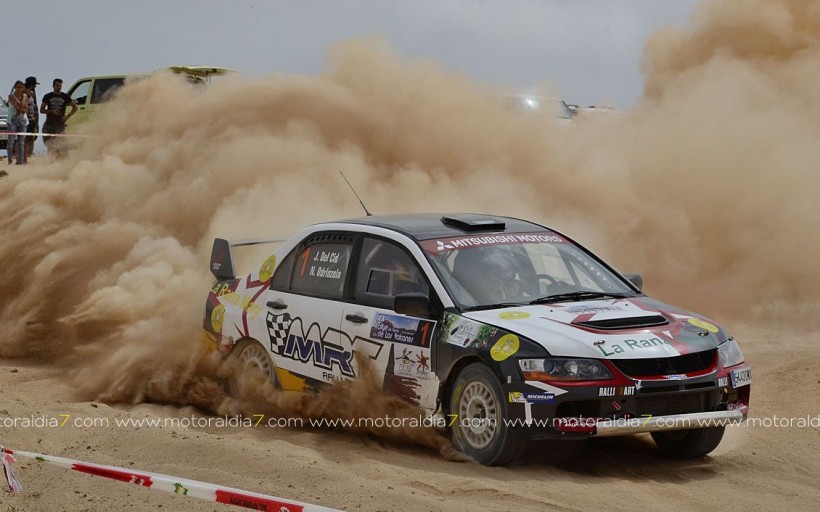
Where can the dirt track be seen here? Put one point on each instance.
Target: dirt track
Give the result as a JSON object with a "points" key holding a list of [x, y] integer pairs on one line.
{"points": [[756, 468]]}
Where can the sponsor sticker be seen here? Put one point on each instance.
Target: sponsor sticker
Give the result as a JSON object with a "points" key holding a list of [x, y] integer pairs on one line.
{"points": [[217, 317], [703, 324], [629, 345], [326, 349], [412, 362], [266, 270], [506, 346], [723, 382], [519, 397], [402, 329], [616, 391], [465, 242], [742, 377], [459, 331], [513, 315]]}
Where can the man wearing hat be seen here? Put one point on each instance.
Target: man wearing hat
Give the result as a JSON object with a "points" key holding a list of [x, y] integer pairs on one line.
{"points": [[33, 115]]}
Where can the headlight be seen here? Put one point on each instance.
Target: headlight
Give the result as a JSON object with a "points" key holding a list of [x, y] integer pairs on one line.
{"points": [[563, 369], [730, 354]]}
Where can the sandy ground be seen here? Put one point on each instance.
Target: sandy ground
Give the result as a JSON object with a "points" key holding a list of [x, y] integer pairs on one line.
{"points": [[755, 468]]}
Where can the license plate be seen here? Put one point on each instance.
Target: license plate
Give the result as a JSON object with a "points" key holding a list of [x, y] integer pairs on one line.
{"points": [[741, 377]]}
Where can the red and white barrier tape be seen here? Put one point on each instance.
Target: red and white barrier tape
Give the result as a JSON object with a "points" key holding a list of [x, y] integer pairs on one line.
{"points": [[166, 483]]}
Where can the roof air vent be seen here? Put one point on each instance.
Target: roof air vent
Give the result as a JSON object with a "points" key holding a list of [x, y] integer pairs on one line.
{"points": [[474, 223]]}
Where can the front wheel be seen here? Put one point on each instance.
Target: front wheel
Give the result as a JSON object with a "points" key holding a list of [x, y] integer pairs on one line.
{"points": [[688, 444], [251, 356], [479, 429]]}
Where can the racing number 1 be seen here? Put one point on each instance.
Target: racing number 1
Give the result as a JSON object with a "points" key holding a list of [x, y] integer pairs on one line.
{"points": [[424, 329], [304, 257]]}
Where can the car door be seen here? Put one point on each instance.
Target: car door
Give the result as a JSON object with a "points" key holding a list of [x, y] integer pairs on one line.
{"points": [[384, 270], [304, 310], [80, 93]]}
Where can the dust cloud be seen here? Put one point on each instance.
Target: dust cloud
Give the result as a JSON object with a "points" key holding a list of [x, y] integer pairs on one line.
{"points": [[707, 187]]}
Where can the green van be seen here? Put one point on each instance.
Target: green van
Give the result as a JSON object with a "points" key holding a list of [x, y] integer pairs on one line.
{"points": [[92, 92]]}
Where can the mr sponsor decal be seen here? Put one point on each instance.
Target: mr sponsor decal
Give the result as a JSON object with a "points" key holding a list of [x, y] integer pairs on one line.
{"points": [[402, 329], [289, 338]]}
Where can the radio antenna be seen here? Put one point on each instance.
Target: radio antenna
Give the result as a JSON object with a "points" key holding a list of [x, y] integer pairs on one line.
{"points": [[355, 194]]}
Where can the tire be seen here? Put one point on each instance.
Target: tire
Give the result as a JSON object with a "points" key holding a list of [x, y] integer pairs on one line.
{"points": [[251, 356], [688, 444], [479, 430]]}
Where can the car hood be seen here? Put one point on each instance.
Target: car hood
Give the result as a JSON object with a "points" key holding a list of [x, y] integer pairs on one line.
{"points": [[630, 328]]}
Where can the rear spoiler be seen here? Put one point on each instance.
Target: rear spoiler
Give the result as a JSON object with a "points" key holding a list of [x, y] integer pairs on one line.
{"points": [[222, 266]]}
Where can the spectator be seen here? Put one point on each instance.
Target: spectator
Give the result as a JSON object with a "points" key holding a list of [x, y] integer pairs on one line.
{"points": [[17, 122], [54, 107], [33, 113]]}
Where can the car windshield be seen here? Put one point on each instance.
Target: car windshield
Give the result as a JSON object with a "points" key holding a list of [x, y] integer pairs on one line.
{"points": [[496, 270]]}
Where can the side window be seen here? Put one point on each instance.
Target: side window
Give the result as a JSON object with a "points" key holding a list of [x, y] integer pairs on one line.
{"points": [[386, 270], [104, 89], [80, 92], [281, 277], [320, 268]]}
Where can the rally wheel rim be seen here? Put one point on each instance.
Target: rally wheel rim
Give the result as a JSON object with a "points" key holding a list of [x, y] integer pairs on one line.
{"points": [[478, 413], [254, 356]]}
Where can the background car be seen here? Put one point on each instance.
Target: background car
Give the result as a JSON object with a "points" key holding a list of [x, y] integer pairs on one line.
{"points": [[555, 108], [92, 92], [510, 330]]}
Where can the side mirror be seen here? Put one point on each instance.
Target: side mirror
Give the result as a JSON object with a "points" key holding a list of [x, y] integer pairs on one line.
{"points": [[635, 279], [413, 304]]}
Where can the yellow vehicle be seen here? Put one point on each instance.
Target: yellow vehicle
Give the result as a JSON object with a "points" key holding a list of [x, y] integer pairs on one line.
{"points": [[92, 92]]}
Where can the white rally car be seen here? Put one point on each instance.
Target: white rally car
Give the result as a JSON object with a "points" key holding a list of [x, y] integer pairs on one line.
{"points": [[510, 330]]}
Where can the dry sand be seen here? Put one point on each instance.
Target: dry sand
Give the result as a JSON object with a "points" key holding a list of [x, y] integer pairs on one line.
{"points": [[755, 468]]}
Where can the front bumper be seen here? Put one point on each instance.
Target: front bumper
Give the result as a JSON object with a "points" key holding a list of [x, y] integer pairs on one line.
{"points": [[620, 427]]}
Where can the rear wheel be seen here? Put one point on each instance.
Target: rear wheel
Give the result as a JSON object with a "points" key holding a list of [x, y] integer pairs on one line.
{"points": [[479, 429], [251, 356], [688, 444]]}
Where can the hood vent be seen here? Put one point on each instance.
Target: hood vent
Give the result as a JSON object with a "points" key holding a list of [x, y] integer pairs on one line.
{"points": [[613, 324]]}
